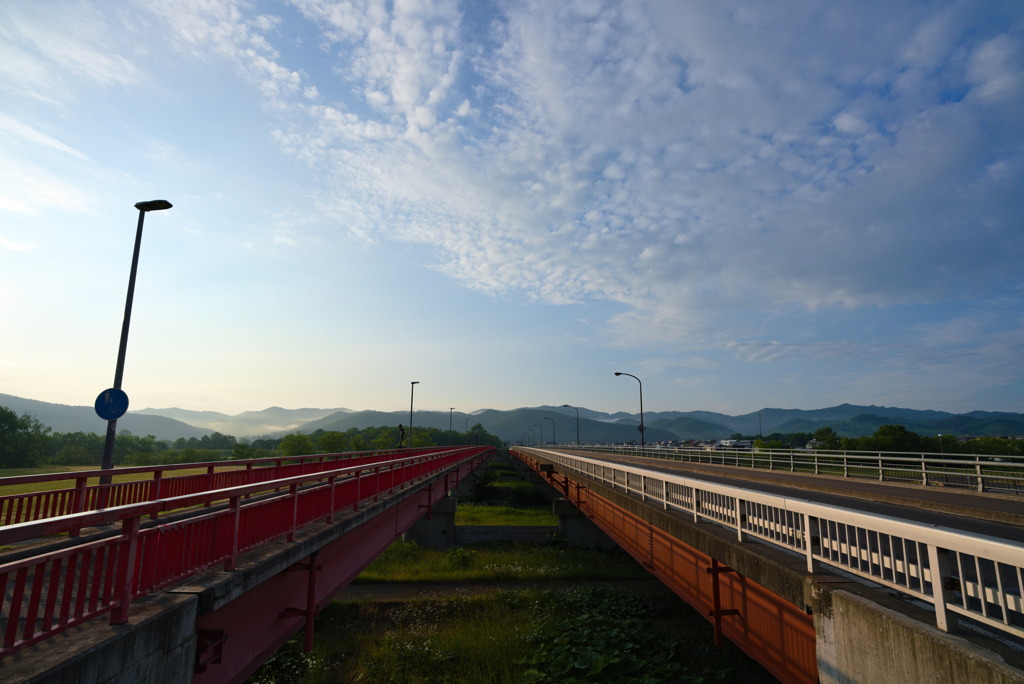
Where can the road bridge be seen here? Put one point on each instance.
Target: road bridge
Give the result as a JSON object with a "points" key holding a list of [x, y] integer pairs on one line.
{"points": [[820, 578], [175, 575]]}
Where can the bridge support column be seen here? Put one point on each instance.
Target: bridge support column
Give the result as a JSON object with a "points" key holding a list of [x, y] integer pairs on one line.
{"points": [[577, 529], [436, 529]]}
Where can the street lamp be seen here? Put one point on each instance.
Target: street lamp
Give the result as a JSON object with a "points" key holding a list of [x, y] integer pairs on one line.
{"points": [[577, 422], [111, 404], [532, 436], [554, 440], [450, 425], [641, 428], [412, 392], [541, 428]]}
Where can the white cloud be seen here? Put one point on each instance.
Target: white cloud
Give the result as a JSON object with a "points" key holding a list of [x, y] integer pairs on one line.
{"points": [[13, 246], [674, 158], [47, 54]]}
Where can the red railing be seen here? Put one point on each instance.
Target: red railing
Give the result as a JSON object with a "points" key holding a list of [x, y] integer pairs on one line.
{"points": [[152, 483], [54, 591]]}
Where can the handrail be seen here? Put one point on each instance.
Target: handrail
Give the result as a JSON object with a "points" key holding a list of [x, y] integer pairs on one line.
{"points": [[104, 493], [979, 472], [957, 572], [51, 592]]}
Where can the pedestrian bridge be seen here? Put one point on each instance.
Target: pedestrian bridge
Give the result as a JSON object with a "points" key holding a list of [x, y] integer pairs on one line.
{"points": [[198, 573]]}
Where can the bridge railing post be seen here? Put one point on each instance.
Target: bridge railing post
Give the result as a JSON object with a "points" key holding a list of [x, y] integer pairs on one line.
{"points": [[126, 563], [940, 568], [293, 493], [811, 541], [332, 484], [235, 505], [156, 490], [78, 502]]}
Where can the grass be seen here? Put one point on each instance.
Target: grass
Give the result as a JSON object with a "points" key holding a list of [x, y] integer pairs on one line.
{"points": [[408, 562], [69, 482], [472, 514], [547, 634]]}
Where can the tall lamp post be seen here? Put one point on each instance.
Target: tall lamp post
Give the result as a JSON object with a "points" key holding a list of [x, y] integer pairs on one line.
{"points": [[554, 440], [577, 422], [530, 430], [450, 425], [412, 393], [111, 404], [541, 428], [641, 405]]}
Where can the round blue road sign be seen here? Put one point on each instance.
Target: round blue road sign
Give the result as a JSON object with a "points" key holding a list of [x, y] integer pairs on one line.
{"points": [[111, 404]]}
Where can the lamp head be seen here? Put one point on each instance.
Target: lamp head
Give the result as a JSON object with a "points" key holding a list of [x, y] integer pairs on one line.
{"points": [[618, 373], [153, 205]]}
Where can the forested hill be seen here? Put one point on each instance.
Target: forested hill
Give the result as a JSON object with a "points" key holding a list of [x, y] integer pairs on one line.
{"points": [[540, 423]]}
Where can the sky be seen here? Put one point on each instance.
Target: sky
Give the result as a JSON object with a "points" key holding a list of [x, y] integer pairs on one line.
{"points": [[745, 205]]}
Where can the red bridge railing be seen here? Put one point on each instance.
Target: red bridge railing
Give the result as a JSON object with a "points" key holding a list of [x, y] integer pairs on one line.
{"points": [[57, 590], [77, 492]]}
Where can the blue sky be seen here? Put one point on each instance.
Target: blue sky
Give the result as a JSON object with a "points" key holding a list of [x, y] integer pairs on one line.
{"points": [[788, 204]]}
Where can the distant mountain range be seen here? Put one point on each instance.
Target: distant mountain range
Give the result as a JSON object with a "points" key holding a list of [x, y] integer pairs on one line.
{"points": [[546, 422]]}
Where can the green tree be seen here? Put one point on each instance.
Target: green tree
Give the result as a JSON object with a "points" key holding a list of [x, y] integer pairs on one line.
{"points": [[386, 438], [894, 438], [217, 441], [76, 448], [24, 441], [296, 445], [825, 438], [74, 454], [332, 442]]}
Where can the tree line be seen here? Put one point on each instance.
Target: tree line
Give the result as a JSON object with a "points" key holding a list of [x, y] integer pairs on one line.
{"points": [[26, 443], [892, 438]]}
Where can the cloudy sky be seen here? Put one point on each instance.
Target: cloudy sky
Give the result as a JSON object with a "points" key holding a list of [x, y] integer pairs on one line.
{"points": [[784, 204]]}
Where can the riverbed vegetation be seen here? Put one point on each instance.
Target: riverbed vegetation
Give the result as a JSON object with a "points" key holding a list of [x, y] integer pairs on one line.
{"points": [[550, 626]]}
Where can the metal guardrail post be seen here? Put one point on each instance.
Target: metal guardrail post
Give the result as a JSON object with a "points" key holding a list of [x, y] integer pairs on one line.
{"points": [[234, 503], [813, 565], [126, 570], [156, 489], [940, 568], [293, 492]]}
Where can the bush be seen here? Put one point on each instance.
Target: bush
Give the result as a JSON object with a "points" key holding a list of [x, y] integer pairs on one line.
{"points": [[460, 558]]}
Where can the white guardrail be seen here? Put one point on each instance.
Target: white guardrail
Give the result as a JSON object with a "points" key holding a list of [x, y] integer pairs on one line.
{"points": [[983, 473], [958, 573]]}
